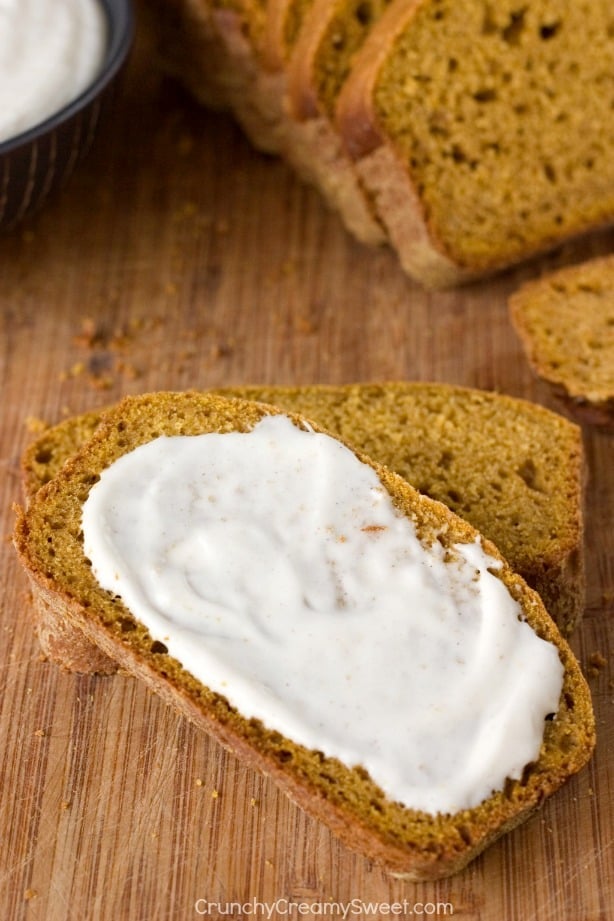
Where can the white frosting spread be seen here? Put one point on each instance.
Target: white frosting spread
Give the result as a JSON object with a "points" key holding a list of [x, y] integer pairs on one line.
{"points": [[274, 566], [50, 52]]}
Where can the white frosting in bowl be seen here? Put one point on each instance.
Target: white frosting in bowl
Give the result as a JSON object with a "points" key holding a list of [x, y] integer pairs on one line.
{"points": [[274, 566], [50, 52]]}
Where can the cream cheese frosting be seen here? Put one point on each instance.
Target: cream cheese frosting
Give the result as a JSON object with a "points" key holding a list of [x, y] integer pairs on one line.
{"points": [[274, 566], [50, 52]]}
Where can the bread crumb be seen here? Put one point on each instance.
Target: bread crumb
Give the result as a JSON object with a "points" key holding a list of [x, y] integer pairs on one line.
{"points": [[102, 382], [30, 894], [128, 370], [214, 794], [305, 326], [253, 801], [76, 370], [596, 662], [35, 425], [221, 350], [199, 782], [65, 804], [90, 335], [40, 733], [104, 365]]}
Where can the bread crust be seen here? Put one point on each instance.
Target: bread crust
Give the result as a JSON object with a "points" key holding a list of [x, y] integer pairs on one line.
{"points": [[316, 146], [303, 100], [355, 117], [315, 151], [406, 842], [402, 212], [273, 46]]}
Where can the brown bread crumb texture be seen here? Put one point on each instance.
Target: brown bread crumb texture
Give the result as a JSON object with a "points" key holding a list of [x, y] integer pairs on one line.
{"points": [[49, 540], [500, 112]]}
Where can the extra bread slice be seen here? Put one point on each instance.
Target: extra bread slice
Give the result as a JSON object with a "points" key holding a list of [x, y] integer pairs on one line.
{"points": [[307, 147], [231, 54], [512, 469], [331, 34], [472, 127], [49, 542], [565, 322], [312, 145]]}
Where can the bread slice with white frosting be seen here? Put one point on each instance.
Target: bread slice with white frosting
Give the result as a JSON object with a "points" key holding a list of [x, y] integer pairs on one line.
{"points": [[422, 835], [511, 468]]}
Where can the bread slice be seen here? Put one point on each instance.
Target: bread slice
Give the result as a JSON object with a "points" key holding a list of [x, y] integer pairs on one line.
{"points": [[312, 146], [472, 127], [565, 322], [332, 33], [307, 147], [231, 54], [213, 48], [407, 842], [283, 25], [512, 469], [258, 102]]}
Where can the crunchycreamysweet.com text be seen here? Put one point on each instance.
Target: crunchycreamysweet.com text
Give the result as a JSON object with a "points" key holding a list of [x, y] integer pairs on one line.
{"points": [[294, 909]]}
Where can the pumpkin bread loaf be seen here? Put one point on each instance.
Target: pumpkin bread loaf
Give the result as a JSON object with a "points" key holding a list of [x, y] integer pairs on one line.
{"points": [[407, 842], [565, 322], [514, 470], [474, 141]]}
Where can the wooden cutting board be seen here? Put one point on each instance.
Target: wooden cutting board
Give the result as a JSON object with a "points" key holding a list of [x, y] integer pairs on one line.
{"points": [[178, 257]]}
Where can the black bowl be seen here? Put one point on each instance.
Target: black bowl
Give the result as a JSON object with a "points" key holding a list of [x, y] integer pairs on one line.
{"points": [[40, 160]]}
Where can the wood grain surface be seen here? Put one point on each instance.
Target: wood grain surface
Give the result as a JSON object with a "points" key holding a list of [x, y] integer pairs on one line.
{"points": [[178, 257]]}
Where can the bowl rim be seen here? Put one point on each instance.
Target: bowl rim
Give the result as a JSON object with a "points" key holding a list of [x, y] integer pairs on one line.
{"points": [[121, 24]]}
